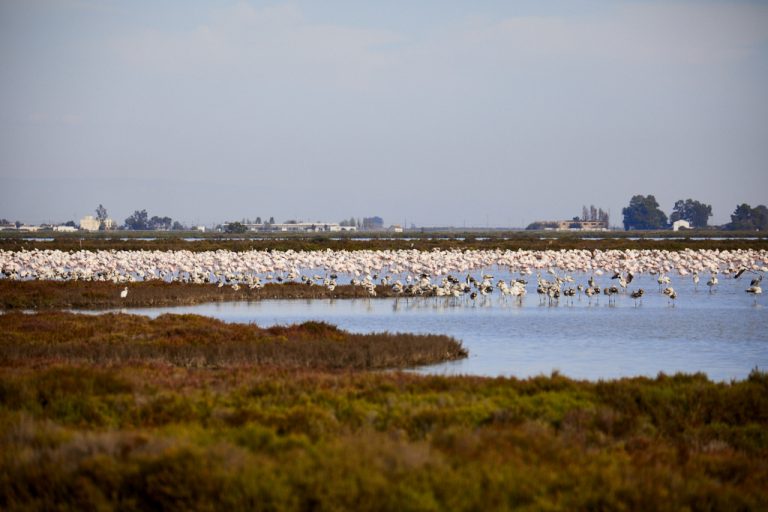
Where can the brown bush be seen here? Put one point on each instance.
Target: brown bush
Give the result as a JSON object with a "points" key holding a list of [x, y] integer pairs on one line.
{"points": [[197, 341]]}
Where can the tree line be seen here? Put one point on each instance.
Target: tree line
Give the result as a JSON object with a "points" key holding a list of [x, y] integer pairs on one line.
{"points": [[643, 212], [140, 221]]}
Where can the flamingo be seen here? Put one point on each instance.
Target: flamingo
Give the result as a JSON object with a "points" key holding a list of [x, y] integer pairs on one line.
{"points": [[755, 291]]}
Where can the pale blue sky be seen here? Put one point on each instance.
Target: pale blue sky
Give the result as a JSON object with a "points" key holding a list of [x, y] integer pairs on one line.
{"points": [[438, 112]]}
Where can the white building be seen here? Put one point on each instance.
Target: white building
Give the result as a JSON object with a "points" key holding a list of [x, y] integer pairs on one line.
{"points": [[89, 223], [109, 224], [200, 229], [680, 224], [65, 229]]}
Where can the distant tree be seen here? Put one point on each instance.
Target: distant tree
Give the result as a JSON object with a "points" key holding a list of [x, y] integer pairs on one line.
{"points": [[271, 220], [138, 221], [537, 226], [584, 213], [741, 218], [291, 221], [696, 213], [746, 218], [760, 216], [101, 213], [18, 224], [592, 212], [236, 227], [178, 226], [258, 220], [70, 223], [160, 223], [4, 222], [643, 213]]}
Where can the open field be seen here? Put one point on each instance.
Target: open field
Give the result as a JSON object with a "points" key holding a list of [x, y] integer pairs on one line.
{"points": [[151, 436], [513, 240]]}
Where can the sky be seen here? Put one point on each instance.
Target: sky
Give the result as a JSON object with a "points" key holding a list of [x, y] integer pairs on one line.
{"points": [[436, 113]]}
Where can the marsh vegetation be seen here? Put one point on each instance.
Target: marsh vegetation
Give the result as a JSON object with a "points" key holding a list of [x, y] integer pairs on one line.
{"points": [[200, 342], [150, 436]]}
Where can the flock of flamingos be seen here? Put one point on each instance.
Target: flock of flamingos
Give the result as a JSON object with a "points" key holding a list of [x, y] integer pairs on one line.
{"points": [[459, 274]]}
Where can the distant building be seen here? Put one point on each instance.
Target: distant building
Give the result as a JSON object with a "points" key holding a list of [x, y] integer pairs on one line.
{"points": [[200, 229], [396, 228], [29, 228], [680, 224], [89, 223], [109, 224], [65, 229], [373, 223], [582, 225], [301, 227]]}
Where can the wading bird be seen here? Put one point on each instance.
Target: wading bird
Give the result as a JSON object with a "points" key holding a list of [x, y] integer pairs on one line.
{"points": [[671, 293], [755, 291], [712, 282]]}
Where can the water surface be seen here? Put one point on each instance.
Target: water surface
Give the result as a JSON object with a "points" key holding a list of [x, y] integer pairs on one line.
{"points": [[722, 334]]}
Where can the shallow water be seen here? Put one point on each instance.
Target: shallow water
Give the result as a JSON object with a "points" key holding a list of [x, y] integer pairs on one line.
{"points": [[722, 334]]}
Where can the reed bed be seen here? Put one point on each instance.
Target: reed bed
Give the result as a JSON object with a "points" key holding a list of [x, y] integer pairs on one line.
{"points": [[196, 341], [145, 437]]}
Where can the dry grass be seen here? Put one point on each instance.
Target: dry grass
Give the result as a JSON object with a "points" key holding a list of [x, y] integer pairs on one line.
{"points": [[44, 339]]}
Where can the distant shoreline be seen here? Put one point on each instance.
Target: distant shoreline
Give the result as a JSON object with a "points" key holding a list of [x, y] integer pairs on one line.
{"points": [[423, 241]]}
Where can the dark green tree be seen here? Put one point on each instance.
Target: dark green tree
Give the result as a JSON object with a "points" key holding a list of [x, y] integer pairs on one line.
{"points": [[160, 222], [537, 226], [696, 213], [178, 226], [101, 213], [643, 213], [138, 221], [760, 216], [236, 227], [746, 218]]}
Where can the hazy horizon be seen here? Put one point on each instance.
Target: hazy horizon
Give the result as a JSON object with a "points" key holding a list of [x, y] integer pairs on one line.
{"points": [[434, 113]]}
